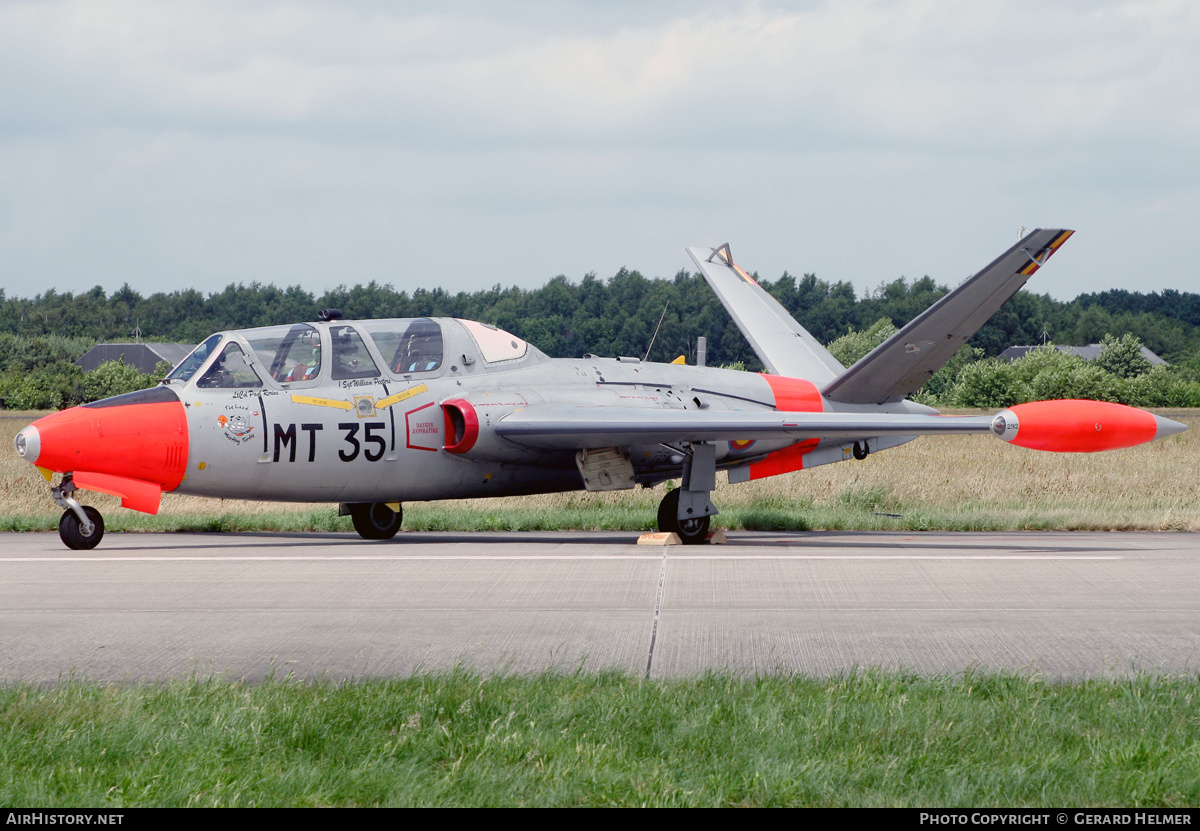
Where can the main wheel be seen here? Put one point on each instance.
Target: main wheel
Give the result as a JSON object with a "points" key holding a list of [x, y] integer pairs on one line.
{"points": [[375, 520], [691, 531], [70, 529]]}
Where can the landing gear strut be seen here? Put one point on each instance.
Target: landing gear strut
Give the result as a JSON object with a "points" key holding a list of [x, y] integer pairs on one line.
{"points": [[687, 510], [375, 520], [81, 527]]}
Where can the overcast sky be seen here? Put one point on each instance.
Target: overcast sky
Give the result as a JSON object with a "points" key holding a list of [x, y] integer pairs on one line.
{"points": [[463, 144]]}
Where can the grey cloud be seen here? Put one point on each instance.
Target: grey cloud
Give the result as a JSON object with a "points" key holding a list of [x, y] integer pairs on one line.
{"points": [[319, 143]]}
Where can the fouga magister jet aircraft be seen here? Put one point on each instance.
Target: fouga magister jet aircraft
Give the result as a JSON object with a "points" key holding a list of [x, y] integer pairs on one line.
{"points": [[372, 413]]}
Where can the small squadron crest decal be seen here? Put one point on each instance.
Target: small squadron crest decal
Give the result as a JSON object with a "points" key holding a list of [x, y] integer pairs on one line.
{"points": [[237, 424]]}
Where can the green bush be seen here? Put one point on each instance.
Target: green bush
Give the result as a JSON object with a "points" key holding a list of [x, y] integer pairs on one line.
{"points": [[1046, 360], [114, 378], [1160, 387], [853, 346], [990, 383], [1122, 356], [1077, 380], [1124, 376]]}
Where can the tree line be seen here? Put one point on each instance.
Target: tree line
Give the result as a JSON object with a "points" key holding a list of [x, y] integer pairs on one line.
{"points": [[40, 336]]}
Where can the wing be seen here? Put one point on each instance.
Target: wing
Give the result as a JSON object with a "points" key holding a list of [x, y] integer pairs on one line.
{"points": [[904, 362], [782, 344], [563, 427]]}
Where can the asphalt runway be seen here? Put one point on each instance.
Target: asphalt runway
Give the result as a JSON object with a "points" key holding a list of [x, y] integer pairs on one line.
{"points": [[158, 606]]}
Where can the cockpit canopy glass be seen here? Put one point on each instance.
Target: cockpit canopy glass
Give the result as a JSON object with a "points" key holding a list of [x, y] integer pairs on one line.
{"points": [[407, 344], [194, 360], [495, 344], [350, 356], [230, 370], [290, 353]]}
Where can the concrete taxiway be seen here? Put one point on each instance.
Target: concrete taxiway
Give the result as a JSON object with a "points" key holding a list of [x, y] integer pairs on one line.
{"points": [[157, 606]]}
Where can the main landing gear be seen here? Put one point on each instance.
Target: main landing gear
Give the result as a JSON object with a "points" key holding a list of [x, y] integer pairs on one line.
{"points": [[692, 530], [687, 510], [375, 520], [81, 527]]}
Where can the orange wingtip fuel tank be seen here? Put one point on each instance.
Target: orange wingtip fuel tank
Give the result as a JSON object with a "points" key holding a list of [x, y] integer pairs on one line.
{"points": [[1074, 426], [134, 445]]}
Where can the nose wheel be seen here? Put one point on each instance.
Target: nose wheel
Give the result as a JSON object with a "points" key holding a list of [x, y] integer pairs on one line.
{"points": [[79, 535], [81, 527]]}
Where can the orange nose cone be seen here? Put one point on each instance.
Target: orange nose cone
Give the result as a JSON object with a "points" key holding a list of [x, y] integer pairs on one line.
{"points": [[1073, 426], [141, 435]]}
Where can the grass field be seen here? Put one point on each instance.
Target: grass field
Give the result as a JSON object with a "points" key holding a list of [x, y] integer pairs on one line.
{"points": [[935, 483], [871, 739]]}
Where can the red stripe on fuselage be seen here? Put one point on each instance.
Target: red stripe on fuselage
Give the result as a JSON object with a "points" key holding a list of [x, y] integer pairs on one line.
{"points": [[794, 395]]}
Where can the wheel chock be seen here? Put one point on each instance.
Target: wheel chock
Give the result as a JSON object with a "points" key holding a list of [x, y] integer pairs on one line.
{"points": [[660, 538]]}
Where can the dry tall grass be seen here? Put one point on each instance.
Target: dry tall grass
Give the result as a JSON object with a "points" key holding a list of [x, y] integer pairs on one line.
{"points": [[946, 482]]}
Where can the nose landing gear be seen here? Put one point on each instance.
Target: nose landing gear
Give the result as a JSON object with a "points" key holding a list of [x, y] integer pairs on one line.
{"points": [[78, 535], [81, 527]]}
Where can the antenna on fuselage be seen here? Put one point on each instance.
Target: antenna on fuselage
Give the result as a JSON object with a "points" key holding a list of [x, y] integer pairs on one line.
{"points": [[655, 335]]}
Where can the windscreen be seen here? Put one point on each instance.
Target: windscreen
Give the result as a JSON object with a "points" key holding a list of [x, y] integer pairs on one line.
{"points": [[195, 359], [230, 370]]}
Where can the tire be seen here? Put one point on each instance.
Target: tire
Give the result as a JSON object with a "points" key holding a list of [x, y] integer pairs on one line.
{"points": [[375, 520], [690, 531], [71, 535]]}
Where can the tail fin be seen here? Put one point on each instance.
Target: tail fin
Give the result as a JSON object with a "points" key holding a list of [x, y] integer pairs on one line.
{"points": [[782, 344], [899, 366]]}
